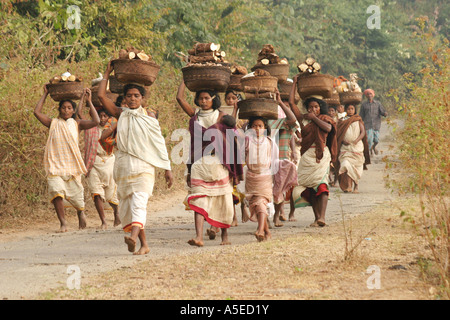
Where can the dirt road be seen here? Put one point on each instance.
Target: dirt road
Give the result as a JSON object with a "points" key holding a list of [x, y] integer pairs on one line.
{"points": [[35, 261]]}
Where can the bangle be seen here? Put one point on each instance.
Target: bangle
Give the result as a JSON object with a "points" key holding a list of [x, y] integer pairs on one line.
{"points": [[104, 79]]}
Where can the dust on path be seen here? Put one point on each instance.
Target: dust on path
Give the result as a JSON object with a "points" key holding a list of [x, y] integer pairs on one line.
{"points": [[33, 262]]}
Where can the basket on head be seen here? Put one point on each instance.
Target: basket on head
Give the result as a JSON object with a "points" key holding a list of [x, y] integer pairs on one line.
{"points": [[315, 84], [350, 97], [235, 82], [206, 77], [96, 101], [278, 70], [259, 84], [333, 100], [135, 71], [258, 107], [115, 86], [285, 90], [66, 90]]}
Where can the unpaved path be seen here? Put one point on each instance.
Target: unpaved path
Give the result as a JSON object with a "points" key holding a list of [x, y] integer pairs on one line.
{"points": [[35, 261]]}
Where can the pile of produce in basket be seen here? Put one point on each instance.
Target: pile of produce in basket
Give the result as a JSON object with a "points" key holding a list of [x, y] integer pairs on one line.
{"points": [[66, 86], [271, 62]]}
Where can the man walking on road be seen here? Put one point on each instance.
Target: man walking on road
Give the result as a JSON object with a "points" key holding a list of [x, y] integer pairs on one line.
{"points": [[371, 112]]}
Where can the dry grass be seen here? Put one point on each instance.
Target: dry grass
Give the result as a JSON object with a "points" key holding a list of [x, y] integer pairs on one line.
{"points": [[310, 265]]}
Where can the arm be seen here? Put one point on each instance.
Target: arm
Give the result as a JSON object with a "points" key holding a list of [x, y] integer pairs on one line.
{"points": [[294, 107], [44, 119], [107, 103], [182, 101], [362, 133], [87, 124], [79, 109], [322, 124], [109, 131], [290, 116], [382, 110]]}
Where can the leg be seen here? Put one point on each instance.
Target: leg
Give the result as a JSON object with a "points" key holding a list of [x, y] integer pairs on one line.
{"points": [[315, 208], [144, 249], [198, 240], [276, 217], [81, 219], [292, 206], [244, 212], [132, 239], [235, 222], [260, 232], [322, 201], [59, 208], [101, 212], [116, 214], [225, 240]]}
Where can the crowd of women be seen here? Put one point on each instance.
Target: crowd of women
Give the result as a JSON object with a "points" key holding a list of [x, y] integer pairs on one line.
{"points": [[261, 166]]}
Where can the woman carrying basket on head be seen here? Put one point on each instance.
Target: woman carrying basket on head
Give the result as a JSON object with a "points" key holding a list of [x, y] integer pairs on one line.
{"points": [[141, 149], [211, 177], [318, 149]]}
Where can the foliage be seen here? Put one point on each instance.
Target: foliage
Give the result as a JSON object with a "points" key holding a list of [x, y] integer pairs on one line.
{"points": [[423, 142]]}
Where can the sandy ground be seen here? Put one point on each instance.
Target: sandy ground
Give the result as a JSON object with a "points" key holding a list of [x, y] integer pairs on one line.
{"points": [[36, 261]]}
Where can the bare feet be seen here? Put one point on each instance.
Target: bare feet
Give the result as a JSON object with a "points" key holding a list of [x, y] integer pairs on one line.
{"points": [[225, 243], [245, 213], [195, 242], [314, 224], [116, 221], [81, 220], [143, 250], [260, 236], [321, 223], [131, 244], [291, 217], [211, 233], [62, 228], [282, 218], [103, 226]]}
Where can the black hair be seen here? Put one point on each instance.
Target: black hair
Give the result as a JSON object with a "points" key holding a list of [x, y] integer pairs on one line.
{"points": [[105, 111], [228, 120], [74, 106], [212, 93], [348, 105], [323, 105], [134, 86], [264, 120], [118, 102], [332, 107], [238, 95]]}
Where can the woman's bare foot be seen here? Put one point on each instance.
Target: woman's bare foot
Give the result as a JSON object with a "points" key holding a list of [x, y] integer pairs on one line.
{"points": [[282, 218], [131, 244], [143, 250], [211, 233], [81, 220], [291, 217], [245, 213], [314, 224], [260, 236], [62, 228], [321, 223], [116, 220], [195, 242], [103, 226]]}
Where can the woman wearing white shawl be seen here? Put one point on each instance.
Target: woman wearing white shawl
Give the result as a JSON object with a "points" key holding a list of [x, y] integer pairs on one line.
{"points": [[140, 148]]}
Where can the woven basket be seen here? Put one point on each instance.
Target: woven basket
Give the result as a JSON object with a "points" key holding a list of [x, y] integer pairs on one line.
{"points": [[115, 86], [206, 77], [96, 101], [259, 84], [279, 70], [66, 90], [334, 100], [316, 84], [235, 82], [354, 98], [257, 107], [135, 71], [285, 90]]}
